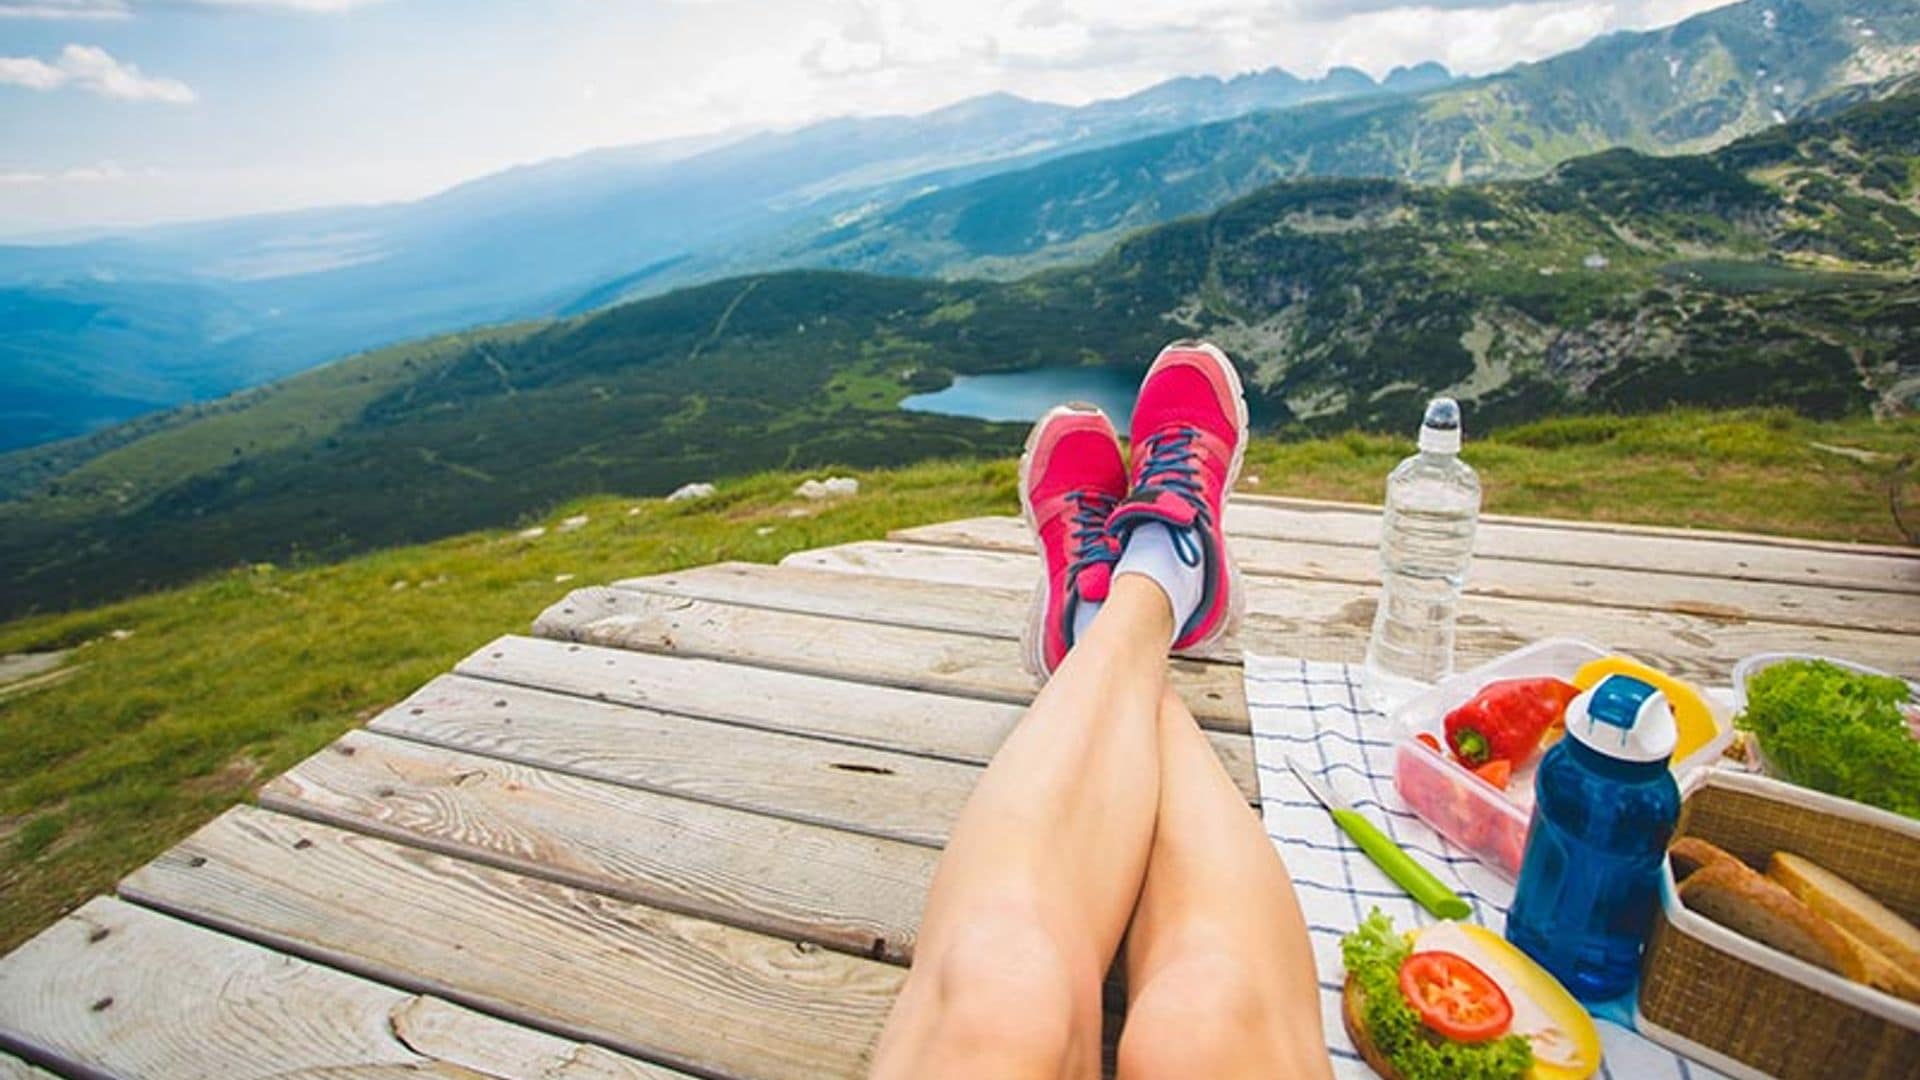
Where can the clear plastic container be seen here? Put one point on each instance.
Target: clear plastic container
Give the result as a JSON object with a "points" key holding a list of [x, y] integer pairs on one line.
{"points": [[1486, 821], [1748, 667]]}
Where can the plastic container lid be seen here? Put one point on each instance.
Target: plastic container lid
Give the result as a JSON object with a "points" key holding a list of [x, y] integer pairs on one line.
{"points": [[1440, 430], [1624, 719]]}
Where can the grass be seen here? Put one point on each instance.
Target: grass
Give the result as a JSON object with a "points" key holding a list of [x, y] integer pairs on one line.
{"points": [[181, 703]]}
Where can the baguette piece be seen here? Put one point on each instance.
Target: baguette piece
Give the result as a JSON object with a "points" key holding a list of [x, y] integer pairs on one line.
{"points": [[1690, 853], [1737, 897], [1846, 906]]}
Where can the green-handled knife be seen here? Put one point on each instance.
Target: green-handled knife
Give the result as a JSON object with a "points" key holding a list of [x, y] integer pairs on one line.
{"points": [[1419, 882]]}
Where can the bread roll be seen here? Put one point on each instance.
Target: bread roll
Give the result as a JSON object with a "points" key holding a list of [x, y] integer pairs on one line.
{"points": [[1353, 1010], [1840, 902], [1690, 853], [1740, 899]]}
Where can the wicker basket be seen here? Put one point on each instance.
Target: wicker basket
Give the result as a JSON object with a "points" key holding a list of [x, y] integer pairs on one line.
{"points": [[1750, 1010]]}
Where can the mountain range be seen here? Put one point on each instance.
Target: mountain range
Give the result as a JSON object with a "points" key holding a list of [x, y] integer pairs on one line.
{"points": [[117, 327], [1783, 269]]}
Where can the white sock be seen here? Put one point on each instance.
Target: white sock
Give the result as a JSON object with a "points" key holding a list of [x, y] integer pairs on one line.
{"points": [[1083, 617], [1174, 560]]}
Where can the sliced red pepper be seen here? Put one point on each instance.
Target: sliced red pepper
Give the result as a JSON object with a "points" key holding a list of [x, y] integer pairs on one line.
{"points": [[1498, 772], [1454, 997], [1429, 738], [1506, 719]]}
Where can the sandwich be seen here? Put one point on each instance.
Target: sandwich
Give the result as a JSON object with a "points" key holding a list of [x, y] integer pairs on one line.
{"points": [[1456, 1002]]}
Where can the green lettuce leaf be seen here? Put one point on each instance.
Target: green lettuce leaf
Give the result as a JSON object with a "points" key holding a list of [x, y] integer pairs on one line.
{"points": [[1825, 727]]}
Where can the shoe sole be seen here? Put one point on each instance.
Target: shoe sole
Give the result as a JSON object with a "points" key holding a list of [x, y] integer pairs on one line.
{"points": [[1236, 595], [1034, 639]]}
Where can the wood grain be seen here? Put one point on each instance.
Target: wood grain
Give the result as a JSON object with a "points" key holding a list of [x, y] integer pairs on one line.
{"points": [[460, 1036], [1704, 555], [951, 726], [1256, 501], [1635, 589], [689, 992], [1326, 620], [828, 711], [812, 883], [12, 1068], [876, 792], [888, 655], [117, 990]]}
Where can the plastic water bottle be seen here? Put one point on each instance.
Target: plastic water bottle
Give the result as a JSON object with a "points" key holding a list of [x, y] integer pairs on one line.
{"points": [[1605, 805], [1426, 542]]}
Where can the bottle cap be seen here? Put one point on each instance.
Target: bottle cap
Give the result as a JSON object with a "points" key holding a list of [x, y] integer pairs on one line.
{"points": [[1440, 431], [1625, 719]]}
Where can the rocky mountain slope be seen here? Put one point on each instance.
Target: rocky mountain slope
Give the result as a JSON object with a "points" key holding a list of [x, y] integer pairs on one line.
{"points": [[1690, 87]]}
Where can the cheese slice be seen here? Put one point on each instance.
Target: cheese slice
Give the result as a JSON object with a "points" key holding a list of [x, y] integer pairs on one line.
{"points": [[1566, 1046]]}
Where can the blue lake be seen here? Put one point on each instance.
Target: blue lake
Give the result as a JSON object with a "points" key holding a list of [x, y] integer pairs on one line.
{"points": [[1027, 395]]}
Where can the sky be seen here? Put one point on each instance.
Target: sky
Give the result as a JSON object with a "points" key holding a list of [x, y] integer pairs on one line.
{"points": [[125, 112]]}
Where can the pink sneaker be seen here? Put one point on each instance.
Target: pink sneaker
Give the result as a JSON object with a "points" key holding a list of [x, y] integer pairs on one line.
{"points": [[1070, 478], [1189, 435]]}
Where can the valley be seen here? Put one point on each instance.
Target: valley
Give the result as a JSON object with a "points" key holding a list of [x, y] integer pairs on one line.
{"points": [[1779, 271]]}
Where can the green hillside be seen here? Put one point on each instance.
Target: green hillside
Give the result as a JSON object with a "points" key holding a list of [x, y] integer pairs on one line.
{"points": [[168, 708], [1777, 271]]}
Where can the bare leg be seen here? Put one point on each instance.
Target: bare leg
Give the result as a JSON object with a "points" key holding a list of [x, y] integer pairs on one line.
{"points": [[1031, 898], [1219, 969]]}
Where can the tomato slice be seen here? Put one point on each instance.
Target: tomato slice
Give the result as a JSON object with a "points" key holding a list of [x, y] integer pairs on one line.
{"points": [[1455, 998]]}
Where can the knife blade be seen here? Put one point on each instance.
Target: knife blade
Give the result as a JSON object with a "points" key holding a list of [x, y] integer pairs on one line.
{"points": [[1430, 891]]}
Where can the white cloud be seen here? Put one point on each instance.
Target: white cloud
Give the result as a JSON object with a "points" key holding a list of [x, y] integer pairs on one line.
{"points": [[65, 9], [93, 69], [950, 40], [318, 7], [105, 172]]}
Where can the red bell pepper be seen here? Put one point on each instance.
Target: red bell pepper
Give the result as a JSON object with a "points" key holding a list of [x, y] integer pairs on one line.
{"points": [[1506, 720]]}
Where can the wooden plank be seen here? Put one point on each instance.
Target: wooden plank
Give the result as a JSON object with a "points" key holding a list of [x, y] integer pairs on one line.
{"points": [[814, 883], [1706, 556], [492, 1047], [12, 1068], [996, 610], [1285, 502], [1772, 601], [827, 711], [876, 792], [116, 990], [699, 995], [1331, 620], [914, 721], [902, 656]]}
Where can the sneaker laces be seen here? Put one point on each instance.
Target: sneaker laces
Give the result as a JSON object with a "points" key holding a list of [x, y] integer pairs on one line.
{"points": [[1170, 467], [1091, 544]]}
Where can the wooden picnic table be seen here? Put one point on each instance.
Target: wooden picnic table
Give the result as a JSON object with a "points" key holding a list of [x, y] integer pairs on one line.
{"points": [[686, 827]]}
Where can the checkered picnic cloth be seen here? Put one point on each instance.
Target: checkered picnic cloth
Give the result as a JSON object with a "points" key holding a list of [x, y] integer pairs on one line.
{"points": [[1316, 713]]}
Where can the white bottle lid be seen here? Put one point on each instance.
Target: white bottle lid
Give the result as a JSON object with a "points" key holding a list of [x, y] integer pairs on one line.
{"points": [[1440, 430], [1624, 719]]}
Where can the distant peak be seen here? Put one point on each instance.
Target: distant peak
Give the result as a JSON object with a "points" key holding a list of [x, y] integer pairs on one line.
{"points": [[1422, 76], [986, 104], [1344, 76]]}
